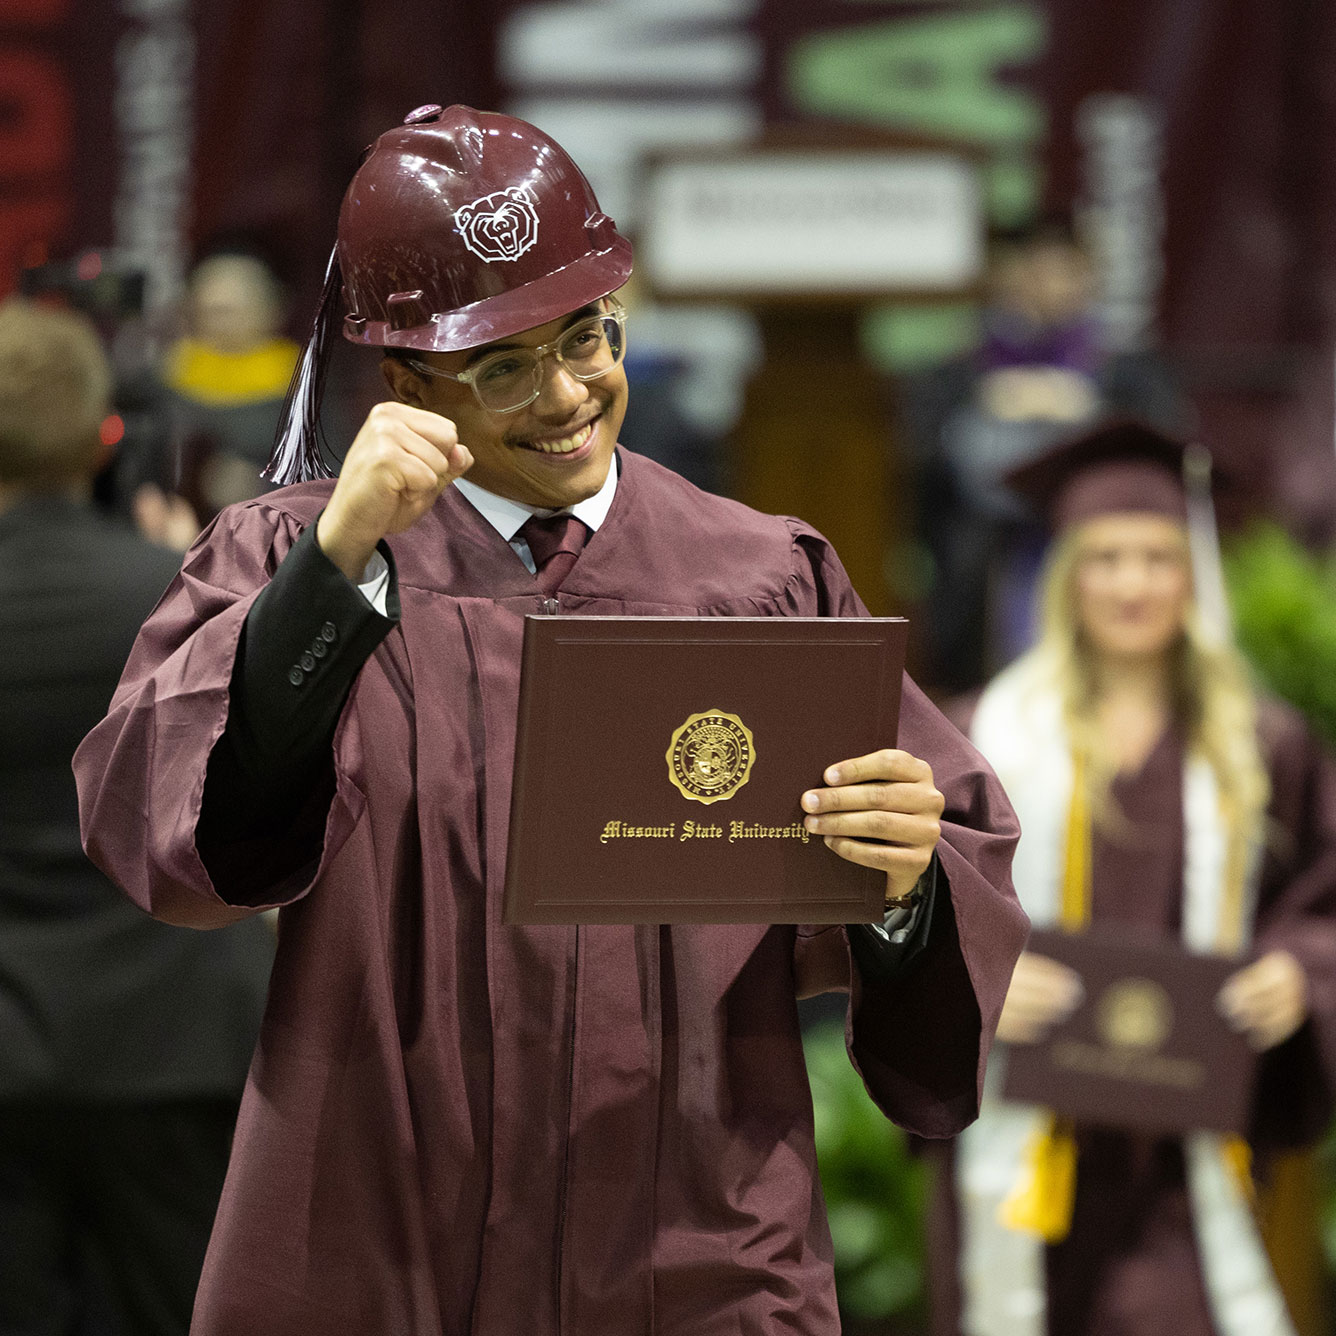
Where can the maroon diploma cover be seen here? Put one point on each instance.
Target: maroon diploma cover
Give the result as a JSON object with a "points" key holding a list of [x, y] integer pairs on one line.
{"points": [[660, 762], [1146, 1050]]}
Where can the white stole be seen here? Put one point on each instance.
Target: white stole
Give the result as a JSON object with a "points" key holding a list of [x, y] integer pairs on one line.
{"points": [[1018, 727]]}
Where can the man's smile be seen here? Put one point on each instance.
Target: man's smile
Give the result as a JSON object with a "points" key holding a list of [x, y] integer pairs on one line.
{"points": [[562, 445]]}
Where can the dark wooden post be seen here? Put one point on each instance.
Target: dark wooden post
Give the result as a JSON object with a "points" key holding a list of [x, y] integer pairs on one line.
{"points": [[814, 439]]}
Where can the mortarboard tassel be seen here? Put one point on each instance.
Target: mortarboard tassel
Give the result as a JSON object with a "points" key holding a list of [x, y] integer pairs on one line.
{"points": [[298, 455], [1208, 572]]}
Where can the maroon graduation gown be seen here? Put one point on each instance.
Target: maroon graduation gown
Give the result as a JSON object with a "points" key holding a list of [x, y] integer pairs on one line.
{"points": [[454, 1126], [1129, 1266]]}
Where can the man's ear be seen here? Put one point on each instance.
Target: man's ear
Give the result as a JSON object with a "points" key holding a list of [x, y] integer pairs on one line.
{"points": [[405, 383]]}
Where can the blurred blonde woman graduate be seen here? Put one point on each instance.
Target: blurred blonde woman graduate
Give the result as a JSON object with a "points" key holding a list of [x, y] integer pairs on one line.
{"points": [[1157, 793]]}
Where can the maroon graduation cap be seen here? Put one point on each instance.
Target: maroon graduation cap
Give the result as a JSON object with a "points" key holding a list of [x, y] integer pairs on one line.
{"points": [[1129, 467], [1120, 467]]}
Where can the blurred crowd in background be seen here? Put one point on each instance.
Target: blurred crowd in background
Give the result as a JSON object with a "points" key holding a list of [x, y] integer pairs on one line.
{"points": [[1156, 239]]}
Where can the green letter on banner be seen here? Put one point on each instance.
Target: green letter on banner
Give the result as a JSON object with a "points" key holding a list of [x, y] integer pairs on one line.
{"points": [[935, 74]]}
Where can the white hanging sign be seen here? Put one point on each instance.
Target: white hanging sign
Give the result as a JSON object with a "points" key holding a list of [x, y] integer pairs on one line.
{"points": [[835, 222]]}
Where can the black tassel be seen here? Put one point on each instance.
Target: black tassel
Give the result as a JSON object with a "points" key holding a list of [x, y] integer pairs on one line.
{"points": [[299, 445]]}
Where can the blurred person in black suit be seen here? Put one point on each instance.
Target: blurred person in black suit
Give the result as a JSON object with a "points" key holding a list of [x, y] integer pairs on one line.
{"points": [[1044, 369], [124, 1043]]}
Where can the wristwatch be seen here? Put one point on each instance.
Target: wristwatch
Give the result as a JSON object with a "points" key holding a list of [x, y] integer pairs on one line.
{"points": [[908, 900], [884, 951]]}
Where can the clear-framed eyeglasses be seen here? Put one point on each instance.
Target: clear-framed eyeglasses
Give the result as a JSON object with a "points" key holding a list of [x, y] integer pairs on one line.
{"points": [[506, 381]]}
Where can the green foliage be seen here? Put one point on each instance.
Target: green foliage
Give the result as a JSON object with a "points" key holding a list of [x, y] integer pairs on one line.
{"points": [[874, 1189], [1284, 601], [1326, 1163]]}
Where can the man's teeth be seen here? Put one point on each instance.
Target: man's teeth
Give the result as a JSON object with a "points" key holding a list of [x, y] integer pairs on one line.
{"points": [[567, 443]]}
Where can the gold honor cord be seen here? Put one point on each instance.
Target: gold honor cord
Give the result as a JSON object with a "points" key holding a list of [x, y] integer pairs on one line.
{"points": [[1232, 935], [1074, 911], [1229, 941]]}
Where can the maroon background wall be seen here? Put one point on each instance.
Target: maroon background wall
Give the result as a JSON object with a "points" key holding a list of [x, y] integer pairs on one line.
{"points": [[163, 124], [1248, 306]]}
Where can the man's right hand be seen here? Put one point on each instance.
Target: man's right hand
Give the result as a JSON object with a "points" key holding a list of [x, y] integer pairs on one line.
{"points": [[401, 460], [1043, 992]]}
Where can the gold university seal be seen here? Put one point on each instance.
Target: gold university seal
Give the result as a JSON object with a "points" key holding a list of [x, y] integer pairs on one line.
{"points": [[1135, 1013], [710, 757]]}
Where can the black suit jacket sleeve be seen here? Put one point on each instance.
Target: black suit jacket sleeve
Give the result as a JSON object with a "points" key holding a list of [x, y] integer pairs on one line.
{"points": [[304, 641], [884, 951]]}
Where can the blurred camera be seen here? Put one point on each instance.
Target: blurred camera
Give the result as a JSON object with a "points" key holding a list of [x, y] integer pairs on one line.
{"points": [[91, 283]]}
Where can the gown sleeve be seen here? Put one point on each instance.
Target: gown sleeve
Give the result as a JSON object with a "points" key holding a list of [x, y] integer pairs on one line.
{"points": [[1297, 913], [920, 1040], [190, 704]]}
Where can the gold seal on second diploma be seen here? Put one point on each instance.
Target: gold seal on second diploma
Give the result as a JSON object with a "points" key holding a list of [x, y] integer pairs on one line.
{"points": [[710, 757], [1135, 1013]]}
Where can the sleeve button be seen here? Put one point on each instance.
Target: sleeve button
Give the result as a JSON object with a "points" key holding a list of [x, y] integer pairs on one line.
{"points": [[296, 676], [307, 661], [329, 633], [319, 649]]}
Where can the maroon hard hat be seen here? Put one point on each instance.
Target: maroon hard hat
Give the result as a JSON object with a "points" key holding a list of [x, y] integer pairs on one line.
{"points": [[460, 227], [465, 226]]}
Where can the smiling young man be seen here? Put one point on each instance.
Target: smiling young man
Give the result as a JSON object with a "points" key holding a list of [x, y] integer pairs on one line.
{"points": [[555, 451], [549, 454], [454, 1125]]}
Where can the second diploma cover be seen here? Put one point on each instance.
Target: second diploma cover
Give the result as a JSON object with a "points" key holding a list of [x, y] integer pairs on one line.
{"points": [[660, 762], [1146, 1050]]}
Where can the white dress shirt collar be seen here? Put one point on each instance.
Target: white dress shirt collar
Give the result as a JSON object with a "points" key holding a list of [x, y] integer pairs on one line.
{"points": [[507, 516]]}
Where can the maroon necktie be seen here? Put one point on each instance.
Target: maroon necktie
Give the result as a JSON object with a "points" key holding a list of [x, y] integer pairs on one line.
{"points": [[555, 543]]}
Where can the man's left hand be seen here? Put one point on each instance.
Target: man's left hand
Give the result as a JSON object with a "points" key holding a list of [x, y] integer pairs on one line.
{"points": [[882, 810]]}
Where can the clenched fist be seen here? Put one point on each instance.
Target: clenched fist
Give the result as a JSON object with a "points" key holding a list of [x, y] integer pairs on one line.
{"points": [[400, 461]]}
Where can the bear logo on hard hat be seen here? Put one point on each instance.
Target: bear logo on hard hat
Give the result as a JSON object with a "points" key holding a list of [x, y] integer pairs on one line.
{"points": [[499, 226]]}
